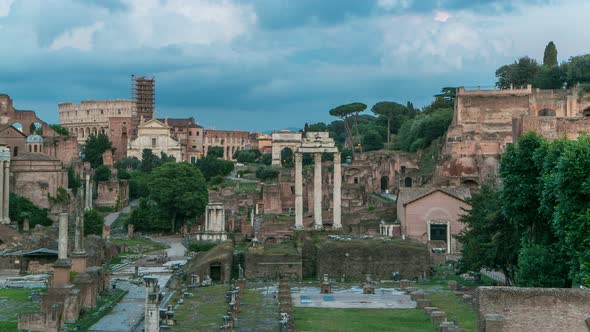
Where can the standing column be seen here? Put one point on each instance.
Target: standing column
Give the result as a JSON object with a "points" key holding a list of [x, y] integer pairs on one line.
{"points": [[88, 195], [6, 194], [317, 190], [78, 236], [2, 192], [62, 244], [298, 190], [337, 191]]}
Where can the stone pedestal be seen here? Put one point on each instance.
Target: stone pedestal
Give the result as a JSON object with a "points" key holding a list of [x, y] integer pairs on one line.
{"points": [[429, 310], [438, 317], [417, 295], [79, 260], [26, 225], [61, 273], [130, 229], [423, 303], [404, 283]]}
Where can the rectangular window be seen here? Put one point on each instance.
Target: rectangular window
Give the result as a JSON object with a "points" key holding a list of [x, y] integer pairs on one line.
{"points": [[154, 142], [193, 159], [438, 232]]}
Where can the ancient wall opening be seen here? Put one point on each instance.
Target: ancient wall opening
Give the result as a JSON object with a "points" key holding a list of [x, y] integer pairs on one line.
{"points": [[546, 112]]}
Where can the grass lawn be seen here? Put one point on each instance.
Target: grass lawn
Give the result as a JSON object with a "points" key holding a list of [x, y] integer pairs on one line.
{"points": [[395, 320], [12, 302], [454, 307], [204, 311]]}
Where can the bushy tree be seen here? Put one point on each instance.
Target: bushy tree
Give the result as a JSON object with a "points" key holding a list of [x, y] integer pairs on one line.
{"points": [[419, 132], [266, 173], [372, 141], [247, 156], [93, 222], [95, 146], [21, 208], [74, 181], [148, 217], [265, 159], [62, 131], [149, 161], [488, 240], [211, 166], [215, 152], [102, 173], [129, 163], [520, 73], [537, 267], [180, 191]]}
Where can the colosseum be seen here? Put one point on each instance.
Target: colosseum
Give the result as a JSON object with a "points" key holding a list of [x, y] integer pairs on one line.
{"points": [[115, 118]]}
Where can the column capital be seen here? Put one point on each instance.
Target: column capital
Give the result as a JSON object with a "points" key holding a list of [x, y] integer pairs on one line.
{"points": [[317, 156], [298, 156]]}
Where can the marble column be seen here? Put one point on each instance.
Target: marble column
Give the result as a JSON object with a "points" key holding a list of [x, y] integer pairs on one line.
{"points": [[317, 190], [6, 194], [88, 194], [2, 192], [78, 236], [337, 210], [62, 244], [298, 190]]}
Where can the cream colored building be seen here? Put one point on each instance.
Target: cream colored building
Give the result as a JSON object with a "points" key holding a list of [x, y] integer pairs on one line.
{"points": [[154, 135]]}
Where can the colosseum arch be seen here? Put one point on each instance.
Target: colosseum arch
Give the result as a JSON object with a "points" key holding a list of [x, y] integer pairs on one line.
{"points": [[546, 112]]}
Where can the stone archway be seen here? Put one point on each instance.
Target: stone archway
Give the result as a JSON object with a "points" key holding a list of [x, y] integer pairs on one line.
{"points": [[287, 157], [282, 140], [408, 182], [586, 112]]}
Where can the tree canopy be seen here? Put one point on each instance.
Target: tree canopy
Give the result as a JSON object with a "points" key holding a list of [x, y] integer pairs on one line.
{"points": [[95, 146], [180, 190], [395, 114], [93, 222], [348, 113], [550, 55], [215, 152]]}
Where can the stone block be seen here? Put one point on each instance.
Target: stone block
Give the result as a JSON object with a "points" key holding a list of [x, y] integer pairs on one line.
{"points": [[494, 323], [467, 298], [417, 295], [404, 283], [429, 310], [423, 303], [409, 290], [452, 284], [445, 326], [438, 317]]}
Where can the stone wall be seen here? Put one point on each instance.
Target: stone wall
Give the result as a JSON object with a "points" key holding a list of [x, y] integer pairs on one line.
{"points": [[513, 309], [354, 259], [267, 266], [35, 176], [112, 193]]}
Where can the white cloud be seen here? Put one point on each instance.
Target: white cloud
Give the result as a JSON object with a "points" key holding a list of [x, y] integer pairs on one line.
{"points": [[78, 38], [5, 7], [394, 4], [157, 23], [441, 15]]}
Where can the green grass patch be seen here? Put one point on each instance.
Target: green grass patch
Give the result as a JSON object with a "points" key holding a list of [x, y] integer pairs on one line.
{"points": [[12, 302], [201, 246], [455, 308], [283, 248], [204, 311], [104, 305], [247, 187], [398, 320]]}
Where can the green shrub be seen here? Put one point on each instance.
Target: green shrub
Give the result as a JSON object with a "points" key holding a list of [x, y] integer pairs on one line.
{"points": [[201, 246]]}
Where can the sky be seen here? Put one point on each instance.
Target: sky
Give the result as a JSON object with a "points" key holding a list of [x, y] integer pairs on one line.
{"points": [[263, 65]]}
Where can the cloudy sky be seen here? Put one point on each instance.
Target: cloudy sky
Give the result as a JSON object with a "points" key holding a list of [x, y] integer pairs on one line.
{"points": [[270, 64]]}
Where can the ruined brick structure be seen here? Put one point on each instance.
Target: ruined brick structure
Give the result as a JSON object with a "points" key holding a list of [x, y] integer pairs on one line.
{"points": [[230, 140], [485, 121], [516, 309], [190, 136]]}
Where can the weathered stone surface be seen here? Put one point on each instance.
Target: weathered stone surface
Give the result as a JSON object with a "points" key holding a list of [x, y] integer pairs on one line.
{"points": [[404, 283], [417, 295], [533, 309], [467, 298], [429, 310], [423, 303], [438, 317]]}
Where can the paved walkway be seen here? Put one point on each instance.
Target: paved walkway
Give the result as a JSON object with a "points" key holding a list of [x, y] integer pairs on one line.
{"points": [[112, 217]]}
